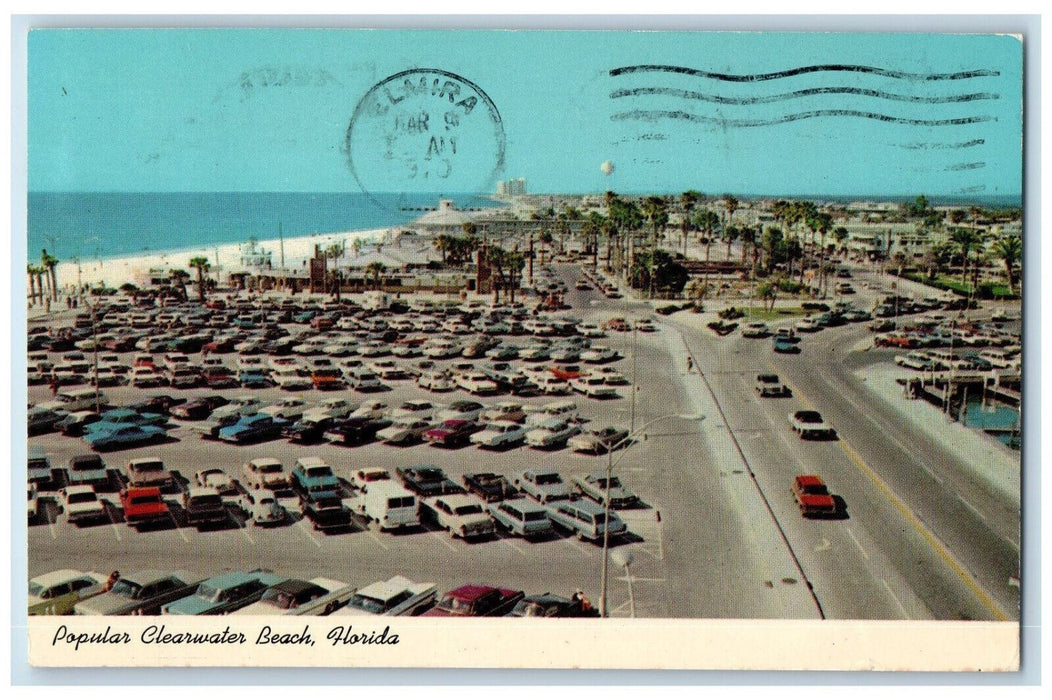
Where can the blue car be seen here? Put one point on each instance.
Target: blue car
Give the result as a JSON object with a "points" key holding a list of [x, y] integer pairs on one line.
{"points": [[125, 416], [224, 594], [785, 346], [121, 435], [254, 428], [313, 475]]}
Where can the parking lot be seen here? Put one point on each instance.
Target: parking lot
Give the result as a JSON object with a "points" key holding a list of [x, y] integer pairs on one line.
{"points": [[361, 554]]}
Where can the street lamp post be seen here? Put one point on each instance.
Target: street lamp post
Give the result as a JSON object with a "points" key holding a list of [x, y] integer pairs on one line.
{"points": [[610, 464], [625, 559]]}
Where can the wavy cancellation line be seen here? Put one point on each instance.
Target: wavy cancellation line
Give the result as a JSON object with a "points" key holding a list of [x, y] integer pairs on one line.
{"points": [[823, 68], [807, 92], [652, 115]]}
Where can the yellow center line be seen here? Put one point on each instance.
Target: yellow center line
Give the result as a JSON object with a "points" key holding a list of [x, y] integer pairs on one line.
{"points": [[924, 532]]}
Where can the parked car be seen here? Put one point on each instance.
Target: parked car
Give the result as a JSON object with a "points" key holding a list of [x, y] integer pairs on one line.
{"points": [[325, 511], [198, 409], [319, 596], [549, 605], [143, 505], [543, 485], [488, 486], [390, 504], [462, 410], [87, 470], [257, 427], [427, 480], [367, 475], [223, 594], [148, 471], [308, 430], [395, 596], [595, 487], [755, 329], [203, 505], [404, 431], [551, 434], [262, 507], [74, 424], [122, 436], [476, 601], [598, 441], [587, 520], [263, 472], [810, 424], [356, 430], [462, 515], [522, 517], [82, 505], [499, 434], [58, 592], [505, 411], [43, 420], [313, 474], [452, 433]]}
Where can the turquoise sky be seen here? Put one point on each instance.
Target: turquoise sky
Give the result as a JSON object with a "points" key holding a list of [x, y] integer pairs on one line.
{"points": [[268, 110]]}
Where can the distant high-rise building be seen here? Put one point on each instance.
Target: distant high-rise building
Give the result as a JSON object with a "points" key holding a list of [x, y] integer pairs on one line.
{"points": [[511, 188]]}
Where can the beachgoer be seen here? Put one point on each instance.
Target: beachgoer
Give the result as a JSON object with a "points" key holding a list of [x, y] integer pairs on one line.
{"points": [[53, 385], [112, 580], [690, 364]]}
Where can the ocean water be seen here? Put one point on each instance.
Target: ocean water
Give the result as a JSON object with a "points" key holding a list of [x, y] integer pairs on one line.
{"points": [[99, 225]]}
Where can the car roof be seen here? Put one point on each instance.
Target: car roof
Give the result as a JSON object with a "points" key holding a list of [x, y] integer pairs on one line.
{"points": [[810, 480], [53, 578], [385, 590]]}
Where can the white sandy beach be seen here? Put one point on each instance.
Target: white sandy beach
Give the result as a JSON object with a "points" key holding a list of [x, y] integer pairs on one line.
{"points": [[222, 257]]}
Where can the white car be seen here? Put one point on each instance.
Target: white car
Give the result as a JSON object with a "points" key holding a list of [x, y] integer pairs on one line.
{"points": [[414, 409], [461, 410], [551, 433], [808, 325], [463, 515], [543, 485], [505, 411], [248, 362], [374, 349], [32, 500], [395, 596], [290, 409], [290, 379], [329, 408], [261, 507], [264, 472], [552, 385], [599, 354], [810, 424], [499, 434], [362, 379], [319, 596], [437, 380], [593, 386], [610, 375], [341, 348], [370, 409], [82, 504], [404, 431], [146, 377], [755, 329], [362, 477], [476, 383], [217, 479]]}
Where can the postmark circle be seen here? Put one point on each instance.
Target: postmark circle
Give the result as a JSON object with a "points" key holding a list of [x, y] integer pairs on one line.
{"points": [[425, 130]]}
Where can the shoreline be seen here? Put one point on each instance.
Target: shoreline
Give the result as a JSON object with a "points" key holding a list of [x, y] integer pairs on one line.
{"points": [[135, 268]]}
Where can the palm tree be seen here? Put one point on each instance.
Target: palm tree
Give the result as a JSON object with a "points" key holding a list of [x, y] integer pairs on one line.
{"points": [[179, 277], [469, 228], [840, 235], [731, 234], [706, 221], [547, 239], [50, 262], [1009, 250], [200, 263], [767, 292], [731, 204], [966, 239], [443, 242], [376, 269], [32, 271], [688, 200]]}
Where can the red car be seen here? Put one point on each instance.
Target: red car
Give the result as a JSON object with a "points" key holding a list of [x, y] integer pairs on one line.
{"points": [[812, 496], [452, 432], [476, 601]]}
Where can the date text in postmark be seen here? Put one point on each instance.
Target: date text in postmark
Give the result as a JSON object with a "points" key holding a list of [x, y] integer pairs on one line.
{"points": [[425, 130]]}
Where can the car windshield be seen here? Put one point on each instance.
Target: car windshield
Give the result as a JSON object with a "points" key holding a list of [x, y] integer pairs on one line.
{"points": [[455, 605], [534, 516], [469, 509], [318, 472], [768, 378], [208, 500], [548, 479], [210, 593], [149, 467], [82, 497], [531, 610], [363, 602], [126, 589], [809, 417], [278, 599]]}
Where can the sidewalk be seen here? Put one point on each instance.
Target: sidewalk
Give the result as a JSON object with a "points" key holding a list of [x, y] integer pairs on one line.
{"points": [[987, 458]]}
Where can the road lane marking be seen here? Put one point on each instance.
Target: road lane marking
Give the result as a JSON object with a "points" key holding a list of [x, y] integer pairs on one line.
{"points": [[901, 506], [244, 531], [51, 528], [894, 597], [939, 548], [180, 531], [307, 532], [571, 543], [641, 579], [373, 536], [857, 543], [442, 536], [514, 546]]}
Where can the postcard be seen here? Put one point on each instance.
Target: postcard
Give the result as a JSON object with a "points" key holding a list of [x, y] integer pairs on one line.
{"points": [[706, 344]]}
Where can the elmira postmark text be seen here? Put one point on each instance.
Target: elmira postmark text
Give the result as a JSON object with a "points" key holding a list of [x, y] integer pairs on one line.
{"points": [[425, 130]]}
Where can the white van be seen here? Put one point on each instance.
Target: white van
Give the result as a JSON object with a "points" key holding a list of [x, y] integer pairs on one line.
{"points": [[390, 504], [74, 400], [558, 410]]}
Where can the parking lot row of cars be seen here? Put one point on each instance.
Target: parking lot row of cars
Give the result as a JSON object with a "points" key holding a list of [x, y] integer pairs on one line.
{"points": [[262, 592]]}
